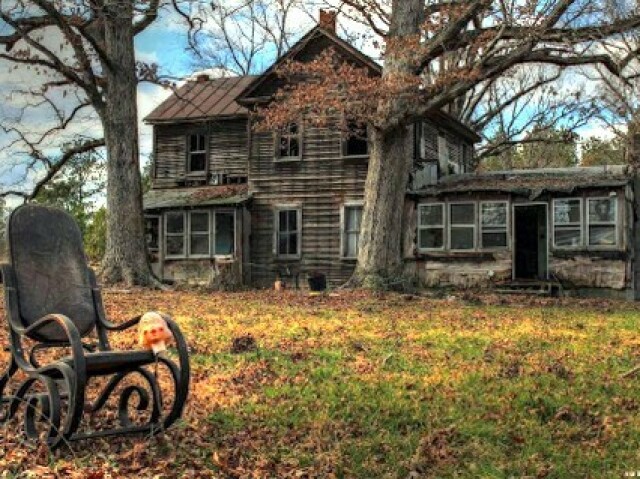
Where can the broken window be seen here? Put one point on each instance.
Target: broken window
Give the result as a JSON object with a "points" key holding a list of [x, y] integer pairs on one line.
{"points": [[352, 216], [225, 233], [174, 233], [197, 153], [288, 142], [431, 226], [199, 233], [602, 221], [567, 222], [355, 142], [494, 224], [462, 226], [288, 232]]}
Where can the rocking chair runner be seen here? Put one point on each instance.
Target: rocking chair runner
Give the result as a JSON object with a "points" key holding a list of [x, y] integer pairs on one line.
{"points": [[52, 298]]}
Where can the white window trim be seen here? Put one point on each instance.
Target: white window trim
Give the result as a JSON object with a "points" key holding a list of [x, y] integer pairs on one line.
{"points": [[433, 227], [588, 223], [343, 225], [276, 145], [579, 225], [276, 230], [166, 235], [473, 225], [213, 233], [494, 228], [209, 234], [196, 152]]}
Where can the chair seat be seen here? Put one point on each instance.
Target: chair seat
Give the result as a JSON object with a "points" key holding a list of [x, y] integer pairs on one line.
{"points": [[110, 362]]}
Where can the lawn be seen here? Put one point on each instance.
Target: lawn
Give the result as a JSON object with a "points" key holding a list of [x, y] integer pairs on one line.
{"points": [[355, 385]]}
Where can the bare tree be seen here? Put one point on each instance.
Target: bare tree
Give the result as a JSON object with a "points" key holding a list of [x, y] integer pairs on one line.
{"points": [[435, 53]]}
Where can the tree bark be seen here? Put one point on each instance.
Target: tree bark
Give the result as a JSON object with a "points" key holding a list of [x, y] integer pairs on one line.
{"points": [[125, 258], [380, 255]]}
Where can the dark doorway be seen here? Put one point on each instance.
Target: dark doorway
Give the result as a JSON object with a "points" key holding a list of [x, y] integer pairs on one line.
{"points": [[530, 242]]}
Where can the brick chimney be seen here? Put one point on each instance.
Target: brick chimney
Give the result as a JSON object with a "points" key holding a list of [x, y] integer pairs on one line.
{"points": [[328, 20]]}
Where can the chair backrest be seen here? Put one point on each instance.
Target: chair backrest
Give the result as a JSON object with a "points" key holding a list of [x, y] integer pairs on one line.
{"points": [[50, 268]]}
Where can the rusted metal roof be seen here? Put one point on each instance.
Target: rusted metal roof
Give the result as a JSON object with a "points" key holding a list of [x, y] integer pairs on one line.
{"points": [[531, 183], [201, 99], [199, 196]]}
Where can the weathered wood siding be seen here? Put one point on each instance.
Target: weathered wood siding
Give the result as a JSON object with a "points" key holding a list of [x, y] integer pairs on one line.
{"points": [[227, 150], [320, 183]]}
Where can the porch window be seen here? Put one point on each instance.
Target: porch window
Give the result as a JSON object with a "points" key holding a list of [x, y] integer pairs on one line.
{"points": [[494, 224], [197, 153], [567, 223], [225, 233], [288, 142], [602, 221], [355, 142], [288, 232], [352, 219], [431, 226], [462, 226], [199, 236], [152, 233], [175, 227]]}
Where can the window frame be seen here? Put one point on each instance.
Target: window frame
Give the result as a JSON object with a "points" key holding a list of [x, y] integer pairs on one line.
{"points": [[579, 226], [345, 141], [343, 228], [278, 134], [494, 229], [190, 233], [214, 220], [189, 171], [474, 226], [615, 223], [166, 235], [276, 231], [443, 226]]}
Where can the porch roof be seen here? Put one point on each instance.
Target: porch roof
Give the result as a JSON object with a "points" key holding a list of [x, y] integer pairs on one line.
{"points": [[222, 195], [532, 183]]}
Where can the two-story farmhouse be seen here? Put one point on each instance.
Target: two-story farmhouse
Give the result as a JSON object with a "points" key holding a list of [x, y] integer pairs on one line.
{"points": [[250, 207]]}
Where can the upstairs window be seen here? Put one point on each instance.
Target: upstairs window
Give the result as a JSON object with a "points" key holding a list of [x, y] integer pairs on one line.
{"points": [[352, 220], [567, 223], [493, 223], [462, 226], [289, 143], [602, 215], [355, 142], [197, 153], [288, 232], [431, 226]]}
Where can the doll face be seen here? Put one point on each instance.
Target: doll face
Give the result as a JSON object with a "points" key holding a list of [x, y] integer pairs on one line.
{"points": [[153, 329]]}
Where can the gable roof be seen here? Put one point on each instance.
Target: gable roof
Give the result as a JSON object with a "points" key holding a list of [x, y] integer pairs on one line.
{"points": [[203, 99], [313, 34]]}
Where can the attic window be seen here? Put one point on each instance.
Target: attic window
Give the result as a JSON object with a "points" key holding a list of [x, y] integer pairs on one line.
{"points": [[197, 153], [355, 141], [288, 143]]}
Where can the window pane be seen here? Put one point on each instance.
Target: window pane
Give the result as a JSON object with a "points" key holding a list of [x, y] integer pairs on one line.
{"points": [[462, 238], [293, 243], [431, 238], [353, 216], [199, 244], [283, 223], [151, 232], [462, 214], [494, 239], [294, 147], [431, 215], [224, 233], [602, 210], [193, 144], [199, 222], [175, 222], [351, 245], [567, 237], [197, 162], [494, 214], [293, 220], [602, 235], [175, 245], [567, 211], [283, 241]]}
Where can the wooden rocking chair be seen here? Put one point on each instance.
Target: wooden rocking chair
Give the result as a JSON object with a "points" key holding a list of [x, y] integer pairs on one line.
{"points": [[52, 299]]}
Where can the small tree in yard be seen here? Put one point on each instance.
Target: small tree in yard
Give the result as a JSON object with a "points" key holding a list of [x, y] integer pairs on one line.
{"points": [[434, 54]]}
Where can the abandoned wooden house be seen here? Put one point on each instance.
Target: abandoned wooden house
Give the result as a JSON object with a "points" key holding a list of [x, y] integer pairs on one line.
{"points": [[251, 207]]}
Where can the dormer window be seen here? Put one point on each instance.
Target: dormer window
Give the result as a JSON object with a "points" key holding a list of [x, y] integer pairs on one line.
{"points": [[355, 142], [288, 143], [196, 153]]}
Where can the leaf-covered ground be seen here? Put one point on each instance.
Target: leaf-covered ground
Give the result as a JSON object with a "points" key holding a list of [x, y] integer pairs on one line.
{"points": [[353, 385]]}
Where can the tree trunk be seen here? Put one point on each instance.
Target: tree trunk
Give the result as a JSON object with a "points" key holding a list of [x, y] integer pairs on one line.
{"points": [[380, 255], [125, 258], [633, 158]]}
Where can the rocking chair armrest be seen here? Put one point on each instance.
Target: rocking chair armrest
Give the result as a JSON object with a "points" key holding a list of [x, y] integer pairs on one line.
{"points": [[109, 326]]}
